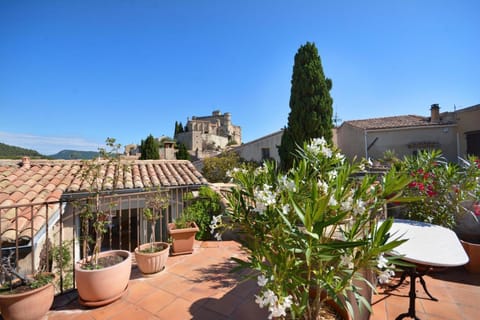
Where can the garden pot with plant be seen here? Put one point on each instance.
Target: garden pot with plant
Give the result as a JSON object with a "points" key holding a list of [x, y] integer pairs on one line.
{"points": [[24, 298], [468, 230], [182, 232], [101, 277], [315, 228], [151, 257]]}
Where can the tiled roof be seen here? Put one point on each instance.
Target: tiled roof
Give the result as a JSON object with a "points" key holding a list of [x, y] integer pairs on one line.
{"points": [[47, 180], [393, 122]]}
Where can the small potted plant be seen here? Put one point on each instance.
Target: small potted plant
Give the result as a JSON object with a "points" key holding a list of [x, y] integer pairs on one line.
{"points": [[151, 257], [101, 277], [182, 232], [22, 297]]}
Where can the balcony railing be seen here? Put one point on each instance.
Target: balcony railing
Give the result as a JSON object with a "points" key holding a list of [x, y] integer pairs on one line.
{"points": [[47, 236]]}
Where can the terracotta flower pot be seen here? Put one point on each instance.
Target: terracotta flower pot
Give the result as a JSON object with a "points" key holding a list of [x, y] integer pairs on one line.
{"points": [[182, 239], [473, 252], [151, 263], [29, 305], [102, 286]]}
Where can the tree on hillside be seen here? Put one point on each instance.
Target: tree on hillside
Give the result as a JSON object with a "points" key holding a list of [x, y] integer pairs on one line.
{"points": [[149, 149], [310, 104], [182, 153]]}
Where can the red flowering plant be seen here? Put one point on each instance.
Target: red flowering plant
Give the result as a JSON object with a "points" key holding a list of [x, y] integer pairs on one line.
{"points": [[441, 187]]}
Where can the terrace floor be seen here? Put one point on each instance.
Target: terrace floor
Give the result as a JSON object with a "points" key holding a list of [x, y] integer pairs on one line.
{"points": [[200, 287]]}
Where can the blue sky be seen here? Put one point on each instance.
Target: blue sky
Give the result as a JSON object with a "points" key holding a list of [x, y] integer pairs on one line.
{"points": [[73, 73]]}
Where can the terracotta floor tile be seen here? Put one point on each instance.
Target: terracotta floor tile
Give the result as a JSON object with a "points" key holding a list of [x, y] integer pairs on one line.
{"points": [[157, 300], [134, 313], [61, 315], [246, 288], [110, 310], [173, 284], [179, 309], [199, 292], [440, 310], [249, 310], [83, 316], [137, 290], [469, 313], [207, 314], [224, 304]]}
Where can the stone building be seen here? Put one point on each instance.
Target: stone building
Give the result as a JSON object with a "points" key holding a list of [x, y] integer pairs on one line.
{"points": [[208, 135], [455, 133]]}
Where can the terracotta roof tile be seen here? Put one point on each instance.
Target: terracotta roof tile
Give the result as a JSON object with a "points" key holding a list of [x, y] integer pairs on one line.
{"points": [[393, 122], [48, 180]]}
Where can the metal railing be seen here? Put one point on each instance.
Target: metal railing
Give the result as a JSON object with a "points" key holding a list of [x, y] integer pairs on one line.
{"points": [[47, 236]]}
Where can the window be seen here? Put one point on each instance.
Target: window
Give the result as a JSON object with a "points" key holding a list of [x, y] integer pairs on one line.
{"points": [[265, 153]]}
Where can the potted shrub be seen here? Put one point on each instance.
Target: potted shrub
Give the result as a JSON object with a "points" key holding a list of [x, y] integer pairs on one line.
{"points": [[447, 193], [182, 232], [468, 224], [312, 233], [101, 277], [205, 208], [151, 257], [24, 298]]}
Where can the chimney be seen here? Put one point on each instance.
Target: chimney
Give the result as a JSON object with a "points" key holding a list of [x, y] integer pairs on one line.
{"points": [[435, 113], [26, 162]]}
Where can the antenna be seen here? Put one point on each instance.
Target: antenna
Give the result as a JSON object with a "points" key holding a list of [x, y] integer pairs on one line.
{"points": [[336, 119]]}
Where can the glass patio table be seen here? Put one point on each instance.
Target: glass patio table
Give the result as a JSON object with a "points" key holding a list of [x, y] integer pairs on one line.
{"points": [[429, 246]]}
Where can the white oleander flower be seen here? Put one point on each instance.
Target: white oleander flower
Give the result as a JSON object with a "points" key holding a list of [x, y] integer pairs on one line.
{"points": [[322, 186], [385, 276], [382, 262], [347, 204], [332, 201], [286, 209], [347, 261], [359, 207], [262, 280]]}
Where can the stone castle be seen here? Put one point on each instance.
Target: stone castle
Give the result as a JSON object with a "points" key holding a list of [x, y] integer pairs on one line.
{"points": [[208, 135]]}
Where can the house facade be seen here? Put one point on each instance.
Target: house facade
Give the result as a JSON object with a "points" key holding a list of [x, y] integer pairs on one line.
{"points": [[261, 149], [468, 120], [406, 135]]}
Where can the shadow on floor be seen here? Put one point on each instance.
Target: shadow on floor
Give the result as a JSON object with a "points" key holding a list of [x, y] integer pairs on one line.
{"points": [[458, 275]]}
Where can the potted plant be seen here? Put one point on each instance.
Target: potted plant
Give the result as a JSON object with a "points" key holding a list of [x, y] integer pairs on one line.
{"points": [[151, 257], [204, 207], [447, 193], [101, 277], [182, 232], [468, 225], [312, 233], [24, 298]]}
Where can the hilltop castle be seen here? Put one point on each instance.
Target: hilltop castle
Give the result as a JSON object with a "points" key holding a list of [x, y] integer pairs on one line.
{"points": [[208, 135]]}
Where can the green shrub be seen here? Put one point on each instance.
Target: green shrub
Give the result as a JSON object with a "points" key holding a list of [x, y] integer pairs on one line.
{"points": [[201, 209]]}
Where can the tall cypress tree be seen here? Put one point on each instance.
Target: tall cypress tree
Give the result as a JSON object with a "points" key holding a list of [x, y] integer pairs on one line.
{"points": [[310, 104], [178, 128], [149, 149]]}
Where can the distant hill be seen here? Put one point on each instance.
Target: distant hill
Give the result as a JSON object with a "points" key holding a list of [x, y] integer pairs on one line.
{"points": [[12, 152], [74, 154]]}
